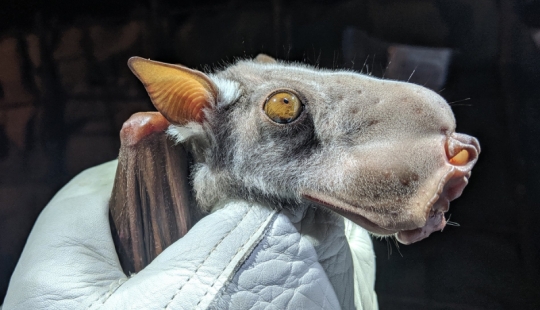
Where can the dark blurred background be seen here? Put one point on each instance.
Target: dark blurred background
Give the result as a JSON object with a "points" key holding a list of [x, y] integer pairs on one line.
{"points": [[65, 90]]}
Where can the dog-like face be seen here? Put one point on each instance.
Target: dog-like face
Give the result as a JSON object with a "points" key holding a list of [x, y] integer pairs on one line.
{"points": [[381, 153]]}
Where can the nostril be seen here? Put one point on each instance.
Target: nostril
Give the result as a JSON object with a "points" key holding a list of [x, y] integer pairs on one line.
{"points": [[462, 151], [460, 159]]}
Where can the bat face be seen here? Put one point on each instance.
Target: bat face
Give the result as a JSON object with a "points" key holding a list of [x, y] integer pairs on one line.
{"points": [[382, 153]]}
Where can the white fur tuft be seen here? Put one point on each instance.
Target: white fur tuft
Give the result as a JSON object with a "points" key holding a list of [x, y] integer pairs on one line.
{"points": [[182, 133], [229, 91]]}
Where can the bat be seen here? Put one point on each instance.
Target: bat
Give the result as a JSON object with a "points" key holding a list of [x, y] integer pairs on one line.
{"points": [[382, 153]]}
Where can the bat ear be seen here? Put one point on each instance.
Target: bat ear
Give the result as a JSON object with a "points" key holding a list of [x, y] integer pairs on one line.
{"points": [[265, 59], [179, 93]]}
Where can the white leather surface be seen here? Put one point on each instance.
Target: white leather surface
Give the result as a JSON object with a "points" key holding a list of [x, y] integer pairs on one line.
{"points": [[364, 266], [241, 256], [69, 259], [191, 272], [282, 272]]}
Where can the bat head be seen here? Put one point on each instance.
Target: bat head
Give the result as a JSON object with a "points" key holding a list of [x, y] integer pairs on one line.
{"points": [[382, 153]]}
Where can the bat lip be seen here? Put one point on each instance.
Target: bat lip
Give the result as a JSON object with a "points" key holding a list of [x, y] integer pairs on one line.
{"points": [[450, 187], [435, 219], [422, 210], [348, 211]]}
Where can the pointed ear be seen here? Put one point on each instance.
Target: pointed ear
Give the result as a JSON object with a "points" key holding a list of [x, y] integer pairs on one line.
{"points": [[177, 92], [265, 59]]}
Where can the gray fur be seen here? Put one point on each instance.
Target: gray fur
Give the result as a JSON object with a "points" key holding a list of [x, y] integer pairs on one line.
{"points": [[376, 146]]}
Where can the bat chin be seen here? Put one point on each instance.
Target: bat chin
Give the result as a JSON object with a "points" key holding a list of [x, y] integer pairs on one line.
{"points": [[414, 225], [450, 188], [462, 152], [435, 222], [348, 211], [423, 212]]}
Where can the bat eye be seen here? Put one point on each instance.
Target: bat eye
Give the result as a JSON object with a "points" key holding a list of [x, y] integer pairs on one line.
{"points": [[283, 107]]}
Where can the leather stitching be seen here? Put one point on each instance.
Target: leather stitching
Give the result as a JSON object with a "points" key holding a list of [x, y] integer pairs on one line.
{"points": [[110, 291], [211, 251], [226, 265]]}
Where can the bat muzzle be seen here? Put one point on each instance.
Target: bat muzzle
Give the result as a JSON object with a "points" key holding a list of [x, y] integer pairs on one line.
{"points": [[462, 153]]}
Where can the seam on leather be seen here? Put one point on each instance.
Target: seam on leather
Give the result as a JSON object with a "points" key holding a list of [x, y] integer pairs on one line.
{"points": [[263, 223], [204, 261], [111, 291]]}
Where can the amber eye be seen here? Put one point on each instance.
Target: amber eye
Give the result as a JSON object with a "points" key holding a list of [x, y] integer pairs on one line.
{"points": [[283, 107]]}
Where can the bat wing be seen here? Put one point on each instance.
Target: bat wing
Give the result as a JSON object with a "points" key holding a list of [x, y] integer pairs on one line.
{"points": [[151, 204]]}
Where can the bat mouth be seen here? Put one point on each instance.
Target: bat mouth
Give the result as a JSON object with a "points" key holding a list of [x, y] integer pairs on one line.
{"points": [[348, 211], [416, 224], [449, 189], [462, 153]]}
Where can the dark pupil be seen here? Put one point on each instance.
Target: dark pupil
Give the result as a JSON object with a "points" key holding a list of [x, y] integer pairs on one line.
{"points": [[285, 100]]}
